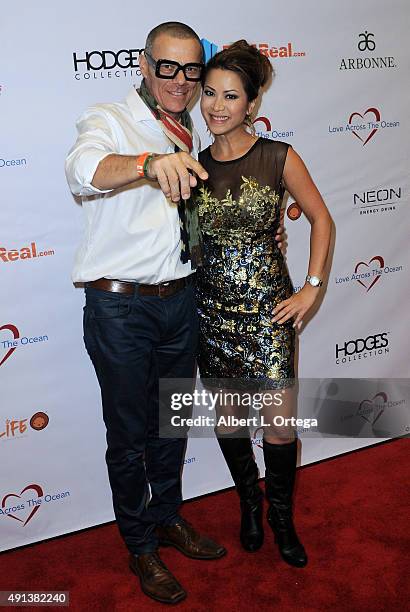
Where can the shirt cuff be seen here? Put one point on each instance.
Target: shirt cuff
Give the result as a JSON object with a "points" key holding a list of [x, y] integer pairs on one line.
{"points": [[86, 167]]}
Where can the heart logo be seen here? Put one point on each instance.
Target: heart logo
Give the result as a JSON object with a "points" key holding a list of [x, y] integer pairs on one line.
{"points": [[377, 117], [16, 334], [34, 487], [368, 407], [265, 121], [380, 261]]}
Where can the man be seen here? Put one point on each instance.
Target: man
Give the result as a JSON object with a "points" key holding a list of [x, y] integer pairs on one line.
{"points": [[136, 261]]}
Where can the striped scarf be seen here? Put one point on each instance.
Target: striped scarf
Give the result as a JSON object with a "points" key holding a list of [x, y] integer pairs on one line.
{"points": [[180, 134]]}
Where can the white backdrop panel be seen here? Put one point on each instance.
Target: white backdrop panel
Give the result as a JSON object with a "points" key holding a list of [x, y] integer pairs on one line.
{"points": [[54, 478]]}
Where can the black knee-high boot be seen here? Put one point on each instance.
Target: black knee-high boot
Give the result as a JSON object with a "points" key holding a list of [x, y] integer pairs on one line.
{"points": [[280, 465], [239, 457]]}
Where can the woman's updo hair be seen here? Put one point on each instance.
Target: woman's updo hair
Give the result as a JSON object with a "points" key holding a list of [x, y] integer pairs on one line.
{"points": [[251, 65]]}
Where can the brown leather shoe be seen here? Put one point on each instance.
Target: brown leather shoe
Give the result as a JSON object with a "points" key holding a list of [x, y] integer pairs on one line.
{"points": [[156, 579], [184, 537]]}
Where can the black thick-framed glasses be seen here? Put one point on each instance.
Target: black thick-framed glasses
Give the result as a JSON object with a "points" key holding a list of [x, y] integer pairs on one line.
{"points": [[168, 69]]}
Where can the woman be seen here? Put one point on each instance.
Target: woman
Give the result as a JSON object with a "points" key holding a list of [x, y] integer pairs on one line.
{"points": [[248, 311]]}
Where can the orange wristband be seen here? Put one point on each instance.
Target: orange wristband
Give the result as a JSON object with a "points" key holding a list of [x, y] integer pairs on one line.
{"points": [[141, 159]]}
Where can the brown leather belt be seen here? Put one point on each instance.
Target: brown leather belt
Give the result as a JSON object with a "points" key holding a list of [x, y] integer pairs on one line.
{"points": [[161, 290]]}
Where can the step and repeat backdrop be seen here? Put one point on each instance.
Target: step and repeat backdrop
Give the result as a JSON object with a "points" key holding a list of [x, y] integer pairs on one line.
{"points": [[340, 97]]}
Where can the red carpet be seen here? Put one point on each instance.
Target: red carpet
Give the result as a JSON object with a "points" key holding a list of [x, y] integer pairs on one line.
{"points": [[352, 515]]}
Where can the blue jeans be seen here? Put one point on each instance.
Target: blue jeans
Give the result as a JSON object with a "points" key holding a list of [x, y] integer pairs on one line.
{"points": [[133, 341]]}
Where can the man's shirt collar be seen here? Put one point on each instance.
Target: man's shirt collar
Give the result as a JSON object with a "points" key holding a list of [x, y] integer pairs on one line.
{"points": [[138, 108]]}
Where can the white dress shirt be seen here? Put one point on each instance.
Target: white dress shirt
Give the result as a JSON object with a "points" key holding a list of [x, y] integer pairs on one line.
{"points": [[132, 233]]}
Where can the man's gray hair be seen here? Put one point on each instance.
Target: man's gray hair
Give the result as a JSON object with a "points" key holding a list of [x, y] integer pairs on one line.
{"points": [[172, 28]]}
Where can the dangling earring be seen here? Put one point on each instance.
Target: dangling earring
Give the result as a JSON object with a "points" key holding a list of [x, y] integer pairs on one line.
{"points": [[248, 122]]}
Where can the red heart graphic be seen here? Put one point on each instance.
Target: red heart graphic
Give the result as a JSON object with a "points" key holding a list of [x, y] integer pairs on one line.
{"points": [[371, 409], [265, 121], [35, 488], [377, 258], [377, 115], [16, 335]]}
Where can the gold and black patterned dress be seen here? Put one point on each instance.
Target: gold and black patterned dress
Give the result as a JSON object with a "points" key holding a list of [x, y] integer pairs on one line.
{"points": [[244, 275]]}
